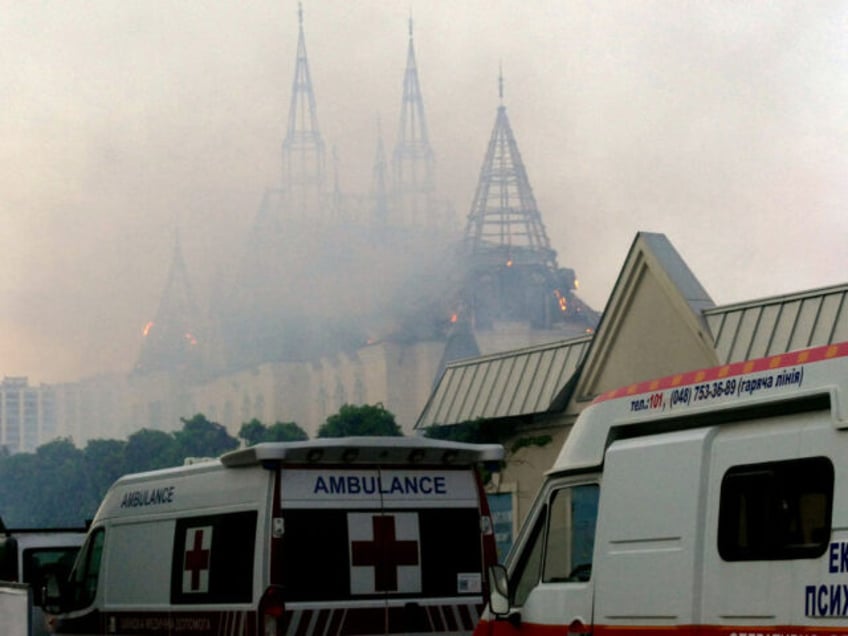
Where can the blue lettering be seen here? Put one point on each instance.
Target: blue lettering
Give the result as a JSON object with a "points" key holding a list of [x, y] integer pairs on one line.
{"points": [[397, 486], [843, 557], [337, 485], [810, 600], [821, 601], [369, 486], [833, 558], [332, 485], [149, 497], [353, 485], [441, 486]]}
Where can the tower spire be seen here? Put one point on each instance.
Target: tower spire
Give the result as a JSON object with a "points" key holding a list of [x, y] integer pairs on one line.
{"points": [[303, 147], [504, 218], [513, 274], [379, 190], [172, 339], [412, 159]]}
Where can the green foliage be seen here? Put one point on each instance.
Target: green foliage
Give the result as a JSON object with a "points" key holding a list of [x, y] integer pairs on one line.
{"points": [[61, 486], [201, 438], [486, 432], [479, 431], [359, 421], [285, 432], [255, 432], [525, 442], [252, 432]]}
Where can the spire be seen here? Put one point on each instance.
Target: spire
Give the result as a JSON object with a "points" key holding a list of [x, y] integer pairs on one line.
{"points": [[172, 340], [379, 191], [505, 223], [412, 160], [303, 148], [512, 270]]}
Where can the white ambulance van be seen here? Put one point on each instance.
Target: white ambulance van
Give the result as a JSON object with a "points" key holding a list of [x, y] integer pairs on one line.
{"points": [[332, 536], [713, 502]]}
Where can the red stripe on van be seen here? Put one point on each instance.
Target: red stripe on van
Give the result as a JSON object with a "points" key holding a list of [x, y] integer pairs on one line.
{"points": [[722, 372], [504, 628]]}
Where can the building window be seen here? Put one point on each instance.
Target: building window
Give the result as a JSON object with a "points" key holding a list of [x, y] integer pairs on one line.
{"points": [[776, 510]]}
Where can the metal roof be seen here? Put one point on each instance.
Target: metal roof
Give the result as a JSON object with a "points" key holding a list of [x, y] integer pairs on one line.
{"points": [[510, 384], [783, 323]]}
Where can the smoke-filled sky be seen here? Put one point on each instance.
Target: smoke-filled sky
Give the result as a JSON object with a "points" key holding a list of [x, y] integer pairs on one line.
{"points": [[721, 124]]}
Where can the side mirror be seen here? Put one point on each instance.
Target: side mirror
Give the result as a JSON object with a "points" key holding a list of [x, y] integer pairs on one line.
{"points": [[51, 594], [498, 590]]}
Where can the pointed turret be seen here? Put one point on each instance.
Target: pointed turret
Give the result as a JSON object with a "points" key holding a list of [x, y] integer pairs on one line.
{"points": [[379, 182], [412, 160], [303, 147], [513, 272], [172, 341], [505, 225]]}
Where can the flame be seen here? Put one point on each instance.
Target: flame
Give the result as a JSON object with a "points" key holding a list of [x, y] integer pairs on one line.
{"points": [[147, 328], [509, 262], [454, 318], [563, 305], [576, 284], [191, 339]]}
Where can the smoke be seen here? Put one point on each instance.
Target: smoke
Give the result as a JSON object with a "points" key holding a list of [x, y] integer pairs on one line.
{"points": [[721, 125]]}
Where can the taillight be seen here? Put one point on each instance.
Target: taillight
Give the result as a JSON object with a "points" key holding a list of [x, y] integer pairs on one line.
{"points": [[271, 610]]}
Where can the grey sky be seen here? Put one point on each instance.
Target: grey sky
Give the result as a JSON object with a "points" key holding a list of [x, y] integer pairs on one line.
{"points": [[721, 124]]}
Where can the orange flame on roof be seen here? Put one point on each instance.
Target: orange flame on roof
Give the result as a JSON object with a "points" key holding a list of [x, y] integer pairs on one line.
{"points": [[147, 328], [563, 305]]}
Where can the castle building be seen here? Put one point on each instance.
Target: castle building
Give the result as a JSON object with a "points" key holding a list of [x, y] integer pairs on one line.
{"points": [[344, 298]]}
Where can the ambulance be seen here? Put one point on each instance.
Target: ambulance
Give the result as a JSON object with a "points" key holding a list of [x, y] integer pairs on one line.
{"points": [[359, 535], [713, 502]]}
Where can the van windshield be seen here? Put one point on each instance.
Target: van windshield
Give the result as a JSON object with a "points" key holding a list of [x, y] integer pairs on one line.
{"points": [[86, 572]]}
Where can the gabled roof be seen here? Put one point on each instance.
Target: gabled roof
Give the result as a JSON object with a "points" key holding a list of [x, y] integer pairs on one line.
{"points": [[775, 325], [654, 314], [514, 384]]}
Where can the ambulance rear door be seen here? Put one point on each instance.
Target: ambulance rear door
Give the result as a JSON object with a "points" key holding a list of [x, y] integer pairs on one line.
{"points": [[380, 549]]}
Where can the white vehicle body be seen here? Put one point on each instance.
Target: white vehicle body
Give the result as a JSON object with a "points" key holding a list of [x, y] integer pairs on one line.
{"points": [[343, 536], [27, 556], [710, 502]]}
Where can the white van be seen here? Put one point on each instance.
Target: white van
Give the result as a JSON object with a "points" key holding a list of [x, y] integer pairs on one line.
{"points": [[28, 556], [710, 502], [343, 536]]}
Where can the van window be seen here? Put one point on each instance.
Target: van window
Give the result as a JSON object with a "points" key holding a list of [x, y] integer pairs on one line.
{"points": [[39, 562], [776, 510], [87, 571], [561, 542]]}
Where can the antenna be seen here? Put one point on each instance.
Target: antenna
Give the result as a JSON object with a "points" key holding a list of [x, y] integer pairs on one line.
{"points": [[500, 81]]}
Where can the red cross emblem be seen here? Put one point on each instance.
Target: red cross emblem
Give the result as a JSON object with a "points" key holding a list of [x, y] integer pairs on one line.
{"points": [[197, 557], [385, 552]]}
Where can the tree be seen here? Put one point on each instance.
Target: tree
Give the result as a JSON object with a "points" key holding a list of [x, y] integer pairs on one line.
{"points": [[104, 461], [62, 497], [255, 432], [360, 420], [148, 449], [252, 432], [285, 432], [201, 438]]}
